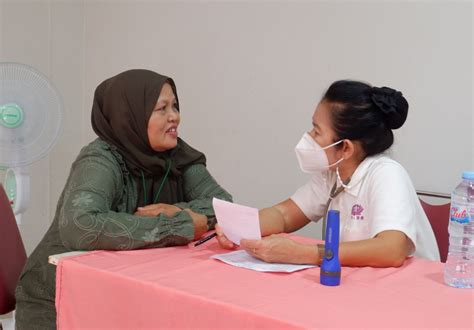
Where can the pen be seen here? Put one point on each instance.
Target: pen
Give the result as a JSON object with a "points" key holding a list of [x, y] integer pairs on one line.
{"points": [[205, 239]]}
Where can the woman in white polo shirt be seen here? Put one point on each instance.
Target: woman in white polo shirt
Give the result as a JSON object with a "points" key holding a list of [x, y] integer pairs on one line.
{"points": [[382, 221]]}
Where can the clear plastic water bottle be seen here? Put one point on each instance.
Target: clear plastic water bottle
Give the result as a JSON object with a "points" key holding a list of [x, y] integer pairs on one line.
{"points": [[459, 268]]}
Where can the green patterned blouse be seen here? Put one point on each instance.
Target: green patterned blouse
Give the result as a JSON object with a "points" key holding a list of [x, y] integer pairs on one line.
{"points": [[95, 211]]}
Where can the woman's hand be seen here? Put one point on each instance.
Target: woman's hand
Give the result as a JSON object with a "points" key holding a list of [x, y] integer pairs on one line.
{"points": [[223, 240], [154, 210], [199, 222], [275, 248]]}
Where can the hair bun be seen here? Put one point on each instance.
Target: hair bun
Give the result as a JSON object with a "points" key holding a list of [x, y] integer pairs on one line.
{"points": [[392, 103]]}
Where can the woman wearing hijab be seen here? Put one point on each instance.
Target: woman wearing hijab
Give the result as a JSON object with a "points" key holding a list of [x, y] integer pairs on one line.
{"points": [[137, 186]]}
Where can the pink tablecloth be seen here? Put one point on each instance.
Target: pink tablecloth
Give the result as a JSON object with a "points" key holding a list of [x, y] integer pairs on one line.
{"points": [[182, 288]]}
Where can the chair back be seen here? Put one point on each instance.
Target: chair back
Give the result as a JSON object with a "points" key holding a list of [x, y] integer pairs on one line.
{"points": [[438, 216], [12, 254]]}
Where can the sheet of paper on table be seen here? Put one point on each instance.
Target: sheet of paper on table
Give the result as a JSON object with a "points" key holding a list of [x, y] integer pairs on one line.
{"points": [[54, 259], [242, 259], [237, 221]]}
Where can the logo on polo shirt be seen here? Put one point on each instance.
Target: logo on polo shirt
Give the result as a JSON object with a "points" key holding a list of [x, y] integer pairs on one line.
{"points": [[356, 212]]}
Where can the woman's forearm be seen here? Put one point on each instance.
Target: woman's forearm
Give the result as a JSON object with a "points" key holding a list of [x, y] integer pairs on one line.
{"points": [[271, 221], [388, 249], [284, 217]]}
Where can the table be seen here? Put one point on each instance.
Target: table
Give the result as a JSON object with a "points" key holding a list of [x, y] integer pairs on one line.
{"points": [[181, 287]]}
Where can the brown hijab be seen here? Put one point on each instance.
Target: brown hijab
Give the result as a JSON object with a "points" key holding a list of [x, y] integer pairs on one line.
{"points": [[122, 107]]}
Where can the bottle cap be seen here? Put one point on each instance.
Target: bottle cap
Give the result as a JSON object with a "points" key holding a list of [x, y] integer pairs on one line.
{"points": [[468, 175]]}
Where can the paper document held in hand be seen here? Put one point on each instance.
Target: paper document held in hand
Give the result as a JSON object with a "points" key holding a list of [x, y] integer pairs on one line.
{"points": [[237, 221]]}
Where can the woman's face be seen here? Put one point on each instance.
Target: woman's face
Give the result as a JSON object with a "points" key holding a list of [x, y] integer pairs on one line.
{"points": [[164, 121], [323, 132]]}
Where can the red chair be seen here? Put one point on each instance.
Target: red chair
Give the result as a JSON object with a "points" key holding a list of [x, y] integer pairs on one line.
{"points": [[12, 255], [438, 215]]}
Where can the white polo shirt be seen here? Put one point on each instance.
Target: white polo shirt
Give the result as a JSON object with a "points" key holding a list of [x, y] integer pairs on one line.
{"points": [[380, 197]]}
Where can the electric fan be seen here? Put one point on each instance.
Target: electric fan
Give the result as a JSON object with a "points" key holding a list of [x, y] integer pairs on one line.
{"points": [[30, 123]]}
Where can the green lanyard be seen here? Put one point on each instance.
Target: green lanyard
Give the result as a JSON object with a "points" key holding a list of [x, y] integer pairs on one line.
{"points": [[157, 195]]}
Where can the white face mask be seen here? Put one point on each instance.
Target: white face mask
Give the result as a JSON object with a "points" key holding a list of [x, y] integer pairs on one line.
{"points": [[311, 156]]}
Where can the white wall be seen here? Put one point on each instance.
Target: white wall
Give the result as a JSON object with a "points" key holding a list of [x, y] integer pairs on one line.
{"points": [[48, 36], [26, 38], [249, 75]]}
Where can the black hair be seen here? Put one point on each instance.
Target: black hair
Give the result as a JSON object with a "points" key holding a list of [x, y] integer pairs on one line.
{"points": [[367, 114]]}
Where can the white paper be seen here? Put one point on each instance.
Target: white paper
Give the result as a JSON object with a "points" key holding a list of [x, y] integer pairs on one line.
{"points": [[242, 259], [54, 259], [237, 221]]}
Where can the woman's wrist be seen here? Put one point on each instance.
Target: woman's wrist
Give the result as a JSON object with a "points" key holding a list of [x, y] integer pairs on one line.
{"points": [[199, 222], [320, 249], [306, 254]]}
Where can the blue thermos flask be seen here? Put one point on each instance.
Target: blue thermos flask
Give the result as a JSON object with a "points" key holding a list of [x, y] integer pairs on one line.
{"points": [[330, 266]]}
